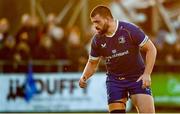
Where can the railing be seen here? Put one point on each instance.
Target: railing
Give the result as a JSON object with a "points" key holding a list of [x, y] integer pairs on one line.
{"points": [[48, 63], [59, 64], [163, 63]]}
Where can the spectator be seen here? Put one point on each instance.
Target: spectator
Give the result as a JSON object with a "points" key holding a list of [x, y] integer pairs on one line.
{"points": [[8, 49], [44, 50], [75, 49], [29, 31], [7, 53], [22, 51], [7, 41], [58, 38], [4, 30]]}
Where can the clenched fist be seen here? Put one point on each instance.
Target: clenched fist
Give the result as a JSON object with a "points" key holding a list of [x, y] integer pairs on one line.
{"points": [[82, 82]]}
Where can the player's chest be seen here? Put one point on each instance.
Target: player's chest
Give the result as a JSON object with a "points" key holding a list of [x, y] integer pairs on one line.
{"points": [[114, 45]]}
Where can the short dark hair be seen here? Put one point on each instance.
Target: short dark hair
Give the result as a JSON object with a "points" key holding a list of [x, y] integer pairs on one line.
{"points": [[102, 10]]}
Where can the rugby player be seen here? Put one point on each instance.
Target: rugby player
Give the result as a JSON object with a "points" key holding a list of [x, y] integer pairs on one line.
{"points": [[128, 76]]}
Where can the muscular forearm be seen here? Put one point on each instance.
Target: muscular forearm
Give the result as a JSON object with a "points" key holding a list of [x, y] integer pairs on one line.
{"points": [[90, 69], [150, 59]]}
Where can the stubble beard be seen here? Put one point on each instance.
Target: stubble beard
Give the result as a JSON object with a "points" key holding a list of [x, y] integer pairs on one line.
{"points": [[104, 30]]}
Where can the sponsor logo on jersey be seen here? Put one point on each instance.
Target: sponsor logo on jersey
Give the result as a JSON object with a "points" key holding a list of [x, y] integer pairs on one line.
{"points": [[118, 54], [114, 51], [121, 40], [103, 45]]}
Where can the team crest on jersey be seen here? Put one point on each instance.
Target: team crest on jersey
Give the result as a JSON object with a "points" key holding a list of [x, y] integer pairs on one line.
{"points": [[103, 45], [114, 51], [121, 40]]}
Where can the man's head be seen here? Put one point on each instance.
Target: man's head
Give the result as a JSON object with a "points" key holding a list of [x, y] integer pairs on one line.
{"points": [[100, 17]]}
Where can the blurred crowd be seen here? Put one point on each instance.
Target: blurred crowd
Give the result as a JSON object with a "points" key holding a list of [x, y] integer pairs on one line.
{"points": [[50, 42], [36, 41]]}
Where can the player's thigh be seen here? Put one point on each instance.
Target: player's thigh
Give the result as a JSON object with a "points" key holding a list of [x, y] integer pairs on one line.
{"points": [[143, 102], [118, 105]]}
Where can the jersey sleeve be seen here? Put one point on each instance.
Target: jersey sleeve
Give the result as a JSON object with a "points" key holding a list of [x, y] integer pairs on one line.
{"points": [[138, 36], [94, 53]]}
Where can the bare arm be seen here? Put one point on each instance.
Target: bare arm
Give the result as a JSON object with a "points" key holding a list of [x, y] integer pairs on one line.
{"points": [[151, 52], [89, 70]]}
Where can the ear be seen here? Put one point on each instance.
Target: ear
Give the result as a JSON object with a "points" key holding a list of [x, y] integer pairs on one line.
{"points": [[106, 20]]}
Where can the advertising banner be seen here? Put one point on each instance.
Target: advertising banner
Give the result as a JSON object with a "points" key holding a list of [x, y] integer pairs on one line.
{"points": [[166, 89], [55, 93], [60, 92]]}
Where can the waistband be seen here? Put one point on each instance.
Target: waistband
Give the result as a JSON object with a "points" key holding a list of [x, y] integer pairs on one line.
{"points": [[124, 77]]}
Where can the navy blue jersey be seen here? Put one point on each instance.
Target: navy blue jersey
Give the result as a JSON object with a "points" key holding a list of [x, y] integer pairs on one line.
{"points": [[121, 50]]}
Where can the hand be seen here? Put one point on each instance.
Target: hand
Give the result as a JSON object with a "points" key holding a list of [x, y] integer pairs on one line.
{"points": [[146, 80], [82, 82]]}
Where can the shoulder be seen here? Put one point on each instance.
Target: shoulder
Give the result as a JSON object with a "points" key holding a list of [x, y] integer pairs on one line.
{"points": [[131, 27], [96, 38], [128, 25]]}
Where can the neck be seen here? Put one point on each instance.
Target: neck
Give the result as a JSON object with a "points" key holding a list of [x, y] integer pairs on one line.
{"points": [[112, 28]]}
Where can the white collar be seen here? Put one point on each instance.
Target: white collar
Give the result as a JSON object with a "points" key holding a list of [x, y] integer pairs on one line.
{"points": [[117, 24]]}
